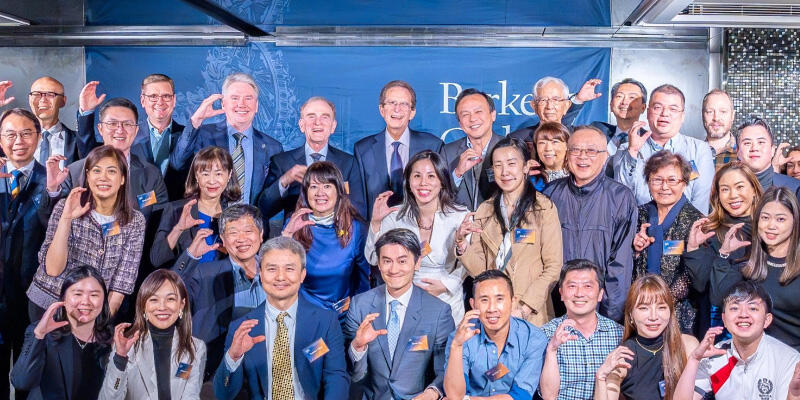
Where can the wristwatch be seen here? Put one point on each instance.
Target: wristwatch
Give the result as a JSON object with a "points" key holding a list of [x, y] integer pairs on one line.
{"points": [[466, 398]]}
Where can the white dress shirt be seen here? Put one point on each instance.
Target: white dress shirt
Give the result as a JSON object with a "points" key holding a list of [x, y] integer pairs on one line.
{"points": [[57, 143]]}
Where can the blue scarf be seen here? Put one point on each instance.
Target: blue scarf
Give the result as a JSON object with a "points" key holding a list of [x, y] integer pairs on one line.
{"points": [[655, 250]]}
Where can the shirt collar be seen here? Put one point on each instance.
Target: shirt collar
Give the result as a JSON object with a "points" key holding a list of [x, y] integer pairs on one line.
{"points": [[154, 130], [26, 169], [669, 145], [511, 341], [238, 271], [310, 151], [405, 138], [404, 298], [56, 130], [272, 312], [247, 132], [485, 148], [753, 357]]}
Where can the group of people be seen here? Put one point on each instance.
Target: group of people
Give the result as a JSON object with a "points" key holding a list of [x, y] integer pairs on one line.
{"points": [[559, 262]]}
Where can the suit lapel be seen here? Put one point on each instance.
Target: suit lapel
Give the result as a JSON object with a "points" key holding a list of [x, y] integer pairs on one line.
{"points": [[196, 215], [379, 306], [176, 384], [65, 358], [299, 155], [410, 323], [146, 368], [415, 144], [258, 354], [379, 158], [260, 165], [5, 199], [24, 201]]}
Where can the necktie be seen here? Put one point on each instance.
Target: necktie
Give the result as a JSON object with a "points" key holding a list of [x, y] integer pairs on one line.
{"points": [[316, 156], [393, 327], [238, 159], [282, 388], [44, 147], [396, 175], [162, 153], [16, 183]]}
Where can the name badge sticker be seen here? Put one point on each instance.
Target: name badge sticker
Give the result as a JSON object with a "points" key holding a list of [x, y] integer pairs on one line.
{"points": [[497, 372], [662, 388], [316, 350], [146, 199], [524, 236], [418, 343], [673, 247], [347, 187], [490, 174], [695, 173], [111, 229], [183, 371], [426, 249], [342, 305]]}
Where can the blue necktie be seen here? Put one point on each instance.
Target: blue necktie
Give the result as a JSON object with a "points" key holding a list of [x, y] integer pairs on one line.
{"points": [[315, 157], [393, 327], [15, 185], [44, 148], [396, 175]]}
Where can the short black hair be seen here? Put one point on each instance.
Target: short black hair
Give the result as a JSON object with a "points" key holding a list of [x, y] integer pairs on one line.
{"points": [[581, 264], [118, 102], [754, 120], [747, 290], [469, 92], [402, 237], [632, 82], [490, 274], [22, 113]]}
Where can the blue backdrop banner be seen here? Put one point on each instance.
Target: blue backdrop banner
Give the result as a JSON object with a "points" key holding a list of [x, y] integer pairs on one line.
{"points": [[352, 77]]}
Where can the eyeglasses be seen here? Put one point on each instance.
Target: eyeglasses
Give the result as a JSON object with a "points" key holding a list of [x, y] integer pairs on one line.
{"points": [[550, 100], [154, 97], [671, 181], [128, 125], [11, 136], [397, 104], [591, 153], [658, 109], [46, 95]]}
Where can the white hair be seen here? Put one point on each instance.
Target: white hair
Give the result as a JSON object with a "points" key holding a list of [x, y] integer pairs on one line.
{"points": [[239, 77], [548, 79]]}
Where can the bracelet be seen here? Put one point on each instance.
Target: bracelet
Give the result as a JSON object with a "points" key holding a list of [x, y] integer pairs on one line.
{"points": [[724, 256]]}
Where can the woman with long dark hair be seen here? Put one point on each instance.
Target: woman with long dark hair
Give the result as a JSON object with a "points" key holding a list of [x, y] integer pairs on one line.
{"points": [[95, 226], [159, 343], [210, 187], [430, 211], [329, 227], [65, 353], [653, 353], [516, 231]]}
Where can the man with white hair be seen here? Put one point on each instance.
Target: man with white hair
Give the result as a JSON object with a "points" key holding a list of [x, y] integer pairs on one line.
{"points": [[553, 103], [250, 148]]}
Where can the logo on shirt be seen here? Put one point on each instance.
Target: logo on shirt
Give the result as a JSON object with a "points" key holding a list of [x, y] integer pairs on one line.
{"points": [[765, 387]]}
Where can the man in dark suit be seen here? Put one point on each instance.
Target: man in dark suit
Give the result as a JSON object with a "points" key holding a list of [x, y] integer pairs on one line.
{"points": [[381, 157], [552, 103], [287, 169], [250, 148], [46, 99], [223, 290], [287, 347], [153, 144], [469, 158], [24, 223], [755, 148], [398, 332], [628, 102]]}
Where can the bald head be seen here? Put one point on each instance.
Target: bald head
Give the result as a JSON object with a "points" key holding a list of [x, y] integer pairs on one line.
{"points": [[586, 154], [46, 100]]}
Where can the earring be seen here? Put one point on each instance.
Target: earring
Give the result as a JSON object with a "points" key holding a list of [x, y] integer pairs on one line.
{"points": [[180, 315], [145, 316]]}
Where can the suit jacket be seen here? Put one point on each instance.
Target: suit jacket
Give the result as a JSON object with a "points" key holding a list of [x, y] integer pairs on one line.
{"points": [[325, 378], [568, 119], [211, 297], [270, 201], [193, 140], [24, 224], [74, 149], [138, 381], [465, 192], [408, 372], [175, 179], [370, 154], [160, 254], [45, 367], [787, 182]]}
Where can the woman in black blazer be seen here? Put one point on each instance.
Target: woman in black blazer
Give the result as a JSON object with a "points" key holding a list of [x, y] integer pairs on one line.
{"points": [[210, 186], [65, 353]]}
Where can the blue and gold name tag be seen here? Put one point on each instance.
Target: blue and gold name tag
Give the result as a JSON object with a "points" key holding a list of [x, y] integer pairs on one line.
{"points": [[662, 388], [111, 229], [347, 187], [418, 343], [146, 199], [183, 371], [524, 236], [426, 249], [342, 305], [673, 247], [316, 350], [497, 372], [695, 173]]}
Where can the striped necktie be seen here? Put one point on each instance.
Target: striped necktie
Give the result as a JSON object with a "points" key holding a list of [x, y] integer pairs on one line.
{"points": [[44, 147], [238, 159], [16, 183], [282, 388]]}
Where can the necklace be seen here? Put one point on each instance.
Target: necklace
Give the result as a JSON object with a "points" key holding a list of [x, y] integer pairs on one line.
{"points": [[776, 265], [653, 352], [81, 343]]}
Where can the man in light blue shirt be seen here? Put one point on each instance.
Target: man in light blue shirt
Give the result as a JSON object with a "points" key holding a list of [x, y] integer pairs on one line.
{"points": [[665, 114], [500, 355]]}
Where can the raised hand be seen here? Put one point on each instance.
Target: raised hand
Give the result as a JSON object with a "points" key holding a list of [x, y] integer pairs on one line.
{"points": [[615, 362], [47, 324], [3, 162], [467, 226], [794, 384], [706, 347], [4, 86], [122, 343], [466, 329], [366, 333], [732, 241], [562, 335], [381, 209], [468, 159], [294, 174], [72, 206], [297, 222], [199, 245], [88, 99], [433, 286], [55, 175], [641, 240], [635, 140], [587, 92], [186, 220], [206, 110], [697, 236], [242, 341], [779, 160]]}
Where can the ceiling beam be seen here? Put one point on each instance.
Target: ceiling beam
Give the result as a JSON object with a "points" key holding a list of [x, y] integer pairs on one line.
{"points": [[226, 17]]}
